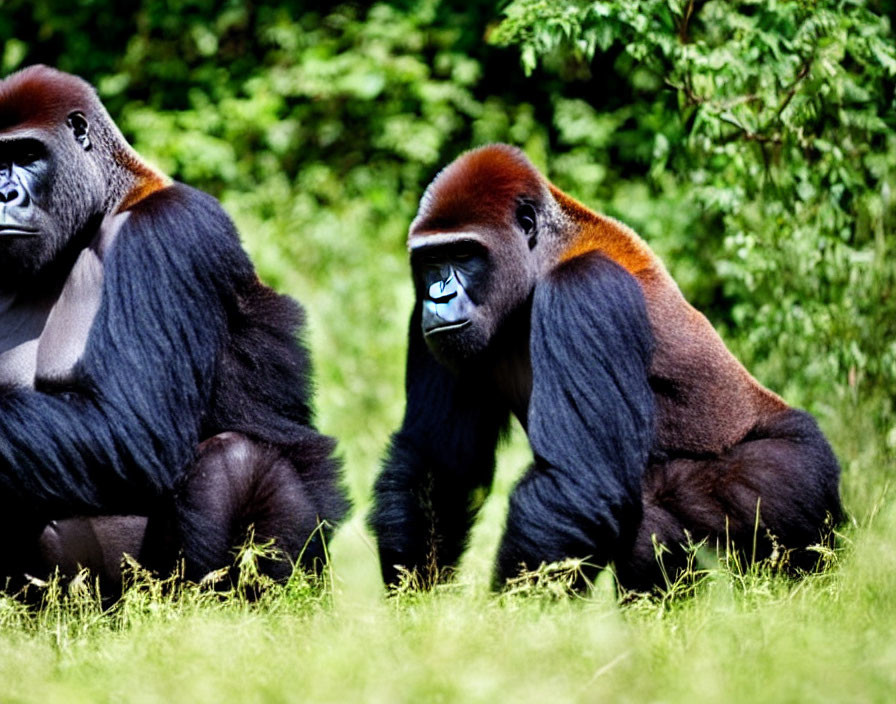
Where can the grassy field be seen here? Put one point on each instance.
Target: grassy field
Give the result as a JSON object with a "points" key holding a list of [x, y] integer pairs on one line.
{"points": [[743, 636]]}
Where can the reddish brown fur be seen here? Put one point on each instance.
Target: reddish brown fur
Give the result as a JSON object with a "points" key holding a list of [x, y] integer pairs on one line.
{"points": [[42, 98], [483, 187], [600, 233], [717, 401], [148, 182]]}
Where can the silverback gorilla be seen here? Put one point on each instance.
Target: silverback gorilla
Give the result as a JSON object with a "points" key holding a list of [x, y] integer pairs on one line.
{"points": [[153, 395], [644, 428]]}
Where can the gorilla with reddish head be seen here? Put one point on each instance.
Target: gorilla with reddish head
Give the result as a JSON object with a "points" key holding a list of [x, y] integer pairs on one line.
{"points": [[646, 432], [153, 396]]}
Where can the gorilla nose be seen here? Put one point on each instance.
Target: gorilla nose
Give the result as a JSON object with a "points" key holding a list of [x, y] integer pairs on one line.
{"points": [[10, 193], [443, 289]]}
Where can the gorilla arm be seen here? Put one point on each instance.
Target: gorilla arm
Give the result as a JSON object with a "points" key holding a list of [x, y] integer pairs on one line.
{"points": [[444, 451], [121, 427], [590, 419]]}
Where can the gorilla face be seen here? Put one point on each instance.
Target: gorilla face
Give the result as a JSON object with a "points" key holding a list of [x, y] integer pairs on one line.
{"points": [[28, 233], [24, 180], [470, 281], [42, 206], [453, 279], [483, 234]]}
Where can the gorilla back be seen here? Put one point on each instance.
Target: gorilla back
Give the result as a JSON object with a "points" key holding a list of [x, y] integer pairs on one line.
{"points": [[644, 428], [144, 369]]}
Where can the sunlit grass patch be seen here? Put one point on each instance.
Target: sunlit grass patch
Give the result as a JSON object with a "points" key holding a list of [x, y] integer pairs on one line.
{"points": [[736, 631]]}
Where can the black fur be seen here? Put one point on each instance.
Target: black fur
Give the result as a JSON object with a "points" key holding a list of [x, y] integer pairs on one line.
{"points": [[443, 453], [590, 420], [186, 344], [590, 424], [776, 488]]}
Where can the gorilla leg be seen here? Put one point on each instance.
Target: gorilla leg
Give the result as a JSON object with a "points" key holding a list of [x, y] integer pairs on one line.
{"points": [[237, 483], [96, 543], [776, 487], [590, 420], [19, 556], [553, 516]]}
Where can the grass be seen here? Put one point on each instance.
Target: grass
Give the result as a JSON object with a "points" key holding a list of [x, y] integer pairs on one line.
{"points": [[743, 635]]}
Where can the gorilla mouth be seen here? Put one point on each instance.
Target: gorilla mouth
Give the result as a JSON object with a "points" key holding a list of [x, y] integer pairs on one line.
{"points": [[448, 313], [446, 326], [18, 231]]}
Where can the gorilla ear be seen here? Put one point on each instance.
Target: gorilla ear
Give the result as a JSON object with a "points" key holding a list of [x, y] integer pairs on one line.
{"points": [[526, 219], [80, 128]]}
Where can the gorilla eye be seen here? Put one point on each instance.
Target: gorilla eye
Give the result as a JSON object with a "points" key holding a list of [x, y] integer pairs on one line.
{"points": [[27, 152], [525, 216], [29, 156]]}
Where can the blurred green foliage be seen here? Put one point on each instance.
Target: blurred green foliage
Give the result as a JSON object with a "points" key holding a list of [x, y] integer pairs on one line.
{"points": [[752, 143]]}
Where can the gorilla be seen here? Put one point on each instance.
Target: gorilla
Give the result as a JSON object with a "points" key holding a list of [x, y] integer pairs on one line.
{"points": [[154, 398], [646, 432]]}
